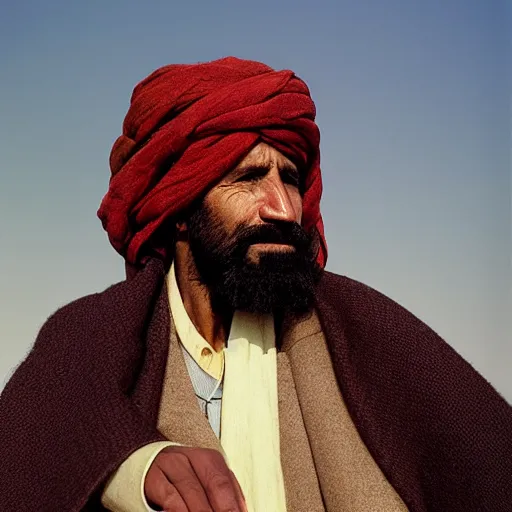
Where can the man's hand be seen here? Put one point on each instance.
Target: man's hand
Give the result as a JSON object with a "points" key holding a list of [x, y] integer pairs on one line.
{"points": [[183, 479]]}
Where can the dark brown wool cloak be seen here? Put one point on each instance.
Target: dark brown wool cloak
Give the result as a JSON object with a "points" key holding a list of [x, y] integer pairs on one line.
{"points": [[88, 395]]}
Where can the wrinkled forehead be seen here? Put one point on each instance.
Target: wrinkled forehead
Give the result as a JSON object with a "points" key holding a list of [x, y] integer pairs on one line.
{"points": [[264, 155]]}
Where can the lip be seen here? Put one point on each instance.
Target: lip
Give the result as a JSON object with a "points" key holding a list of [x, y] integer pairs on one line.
{"points": [[273, 247]]}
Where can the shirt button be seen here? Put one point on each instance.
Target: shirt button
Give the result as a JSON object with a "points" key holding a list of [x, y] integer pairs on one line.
{"points": [[206, 352]]}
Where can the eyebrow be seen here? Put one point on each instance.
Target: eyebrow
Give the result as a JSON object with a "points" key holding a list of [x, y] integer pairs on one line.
{"points": [[285, 167]]}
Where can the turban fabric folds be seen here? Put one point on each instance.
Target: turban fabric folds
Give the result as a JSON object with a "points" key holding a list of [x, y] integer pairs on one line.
{"points": [[190, 124]]}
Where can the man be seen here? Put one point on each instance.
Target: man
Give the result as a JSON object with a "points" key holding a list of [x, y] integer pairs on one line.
{"points": [[230, 371]]}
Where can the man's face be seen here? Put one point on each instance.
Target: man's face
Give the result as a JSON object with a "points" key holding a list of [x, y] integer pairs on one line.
{"points": [[263, 188], [246, 239]]}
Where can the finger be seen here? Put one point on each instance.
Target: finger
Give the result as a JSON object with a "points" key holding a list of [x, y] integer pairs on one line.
{"points": [[216, 479], [161, 494], [239, 493], [178, 470]]}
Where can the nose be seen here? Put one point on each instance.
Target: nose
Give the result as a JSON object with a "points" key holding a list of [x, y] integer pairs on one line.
{"points": [[277, 204]]}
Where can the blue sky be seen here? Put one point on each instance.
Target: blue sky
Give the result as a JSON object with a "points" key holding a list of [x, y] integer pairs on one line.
{"points": [[413, 104]]}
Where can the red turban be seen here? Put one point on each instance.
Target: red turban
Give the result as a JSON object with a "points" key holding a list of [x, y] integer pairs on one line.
{"points": [[190, 124]]}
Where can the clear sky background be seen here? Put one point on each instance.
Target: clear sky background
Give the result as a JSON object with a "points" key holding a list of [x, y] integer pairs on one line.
{"points": [[413, 103]]}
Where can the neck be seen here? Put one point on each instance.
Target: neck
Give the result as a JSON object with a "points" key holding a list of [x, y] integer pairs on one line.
{"points": [[213, 327]]}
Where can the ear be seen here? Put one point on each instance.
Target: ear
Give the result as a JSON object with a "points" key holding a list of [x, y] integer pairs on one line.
{"points": [[181, 231]]}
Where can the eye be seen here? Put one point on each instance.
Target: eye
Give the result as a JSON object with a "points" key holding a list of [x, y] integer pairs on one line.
{"points": [[291, 178], [252, 175]]}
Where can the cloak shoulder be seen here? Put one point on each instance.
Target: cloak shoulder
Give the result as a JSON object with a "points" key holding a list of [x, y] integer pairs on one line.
{"points": [[440, 432], [70, 414]]}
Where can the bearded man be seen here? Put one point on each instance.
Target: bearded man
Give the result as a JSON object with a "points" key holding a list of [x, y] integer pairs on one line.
{"points": [[230, 371]]}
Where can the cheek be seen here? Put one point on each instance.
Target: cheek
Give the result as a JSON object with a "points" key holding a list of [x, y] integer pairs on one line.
{"points": [[231, 207]]}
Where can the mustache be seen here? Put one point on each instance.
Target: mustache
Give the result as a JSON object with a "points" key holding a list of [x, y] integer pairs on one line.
{"points": [[287, 234]]}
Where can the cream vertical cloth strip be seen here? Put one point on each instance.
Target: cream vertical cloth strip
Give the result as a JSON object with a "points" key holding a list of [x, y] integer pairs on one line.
{"points": [[249, 415], [249, 418]]}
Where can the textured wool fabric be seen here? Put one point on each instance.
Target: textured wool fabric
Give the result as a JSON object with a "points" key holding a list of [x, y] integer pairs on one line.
{"points": [[299, 472], [437, 430], [337, 449], [84, 399], [187, 126]]}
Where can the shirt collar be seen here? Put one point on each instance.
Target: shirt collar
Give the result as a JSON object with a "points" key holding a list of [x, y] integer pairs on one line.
{"points": [[200, 350]]}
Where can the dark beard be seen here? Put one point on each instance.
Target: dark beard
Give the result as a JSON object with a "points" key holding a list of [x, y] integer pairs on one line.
{"points": [[279, 282]]}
